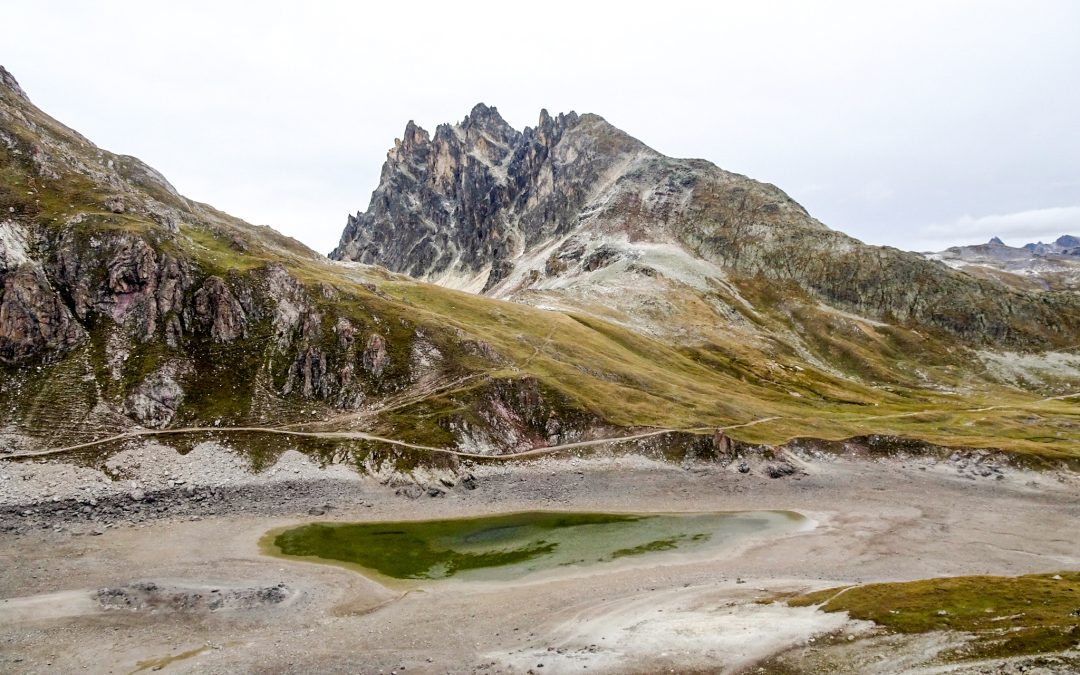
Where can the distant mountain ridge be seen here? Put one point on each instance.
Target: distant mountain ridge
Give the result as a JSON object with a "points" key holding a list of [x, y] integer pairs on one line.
{"points": [[1034, 266], [1063, 245]]}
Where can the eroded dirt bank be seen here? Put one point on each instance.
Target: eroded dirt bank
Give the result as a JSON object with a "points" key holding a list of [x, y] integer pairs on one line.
{"points": [[177, 582]]}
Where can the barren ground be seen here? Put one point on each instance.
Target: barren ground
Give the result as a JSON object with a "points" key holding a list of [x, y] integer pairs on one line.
{"points": [[190, 590]]}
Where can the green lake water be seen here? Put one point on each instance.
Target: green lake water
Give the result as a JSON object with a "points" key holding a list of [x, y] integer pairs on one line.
{"points": [[513, 545]]}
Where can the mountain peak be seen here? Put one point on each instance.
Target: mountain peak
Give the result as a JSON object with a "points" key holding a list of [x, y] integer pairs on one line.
{"points": [[482, 111], [487, 118], [995, 241], [490, 190], [412, 138], [576, 209]]}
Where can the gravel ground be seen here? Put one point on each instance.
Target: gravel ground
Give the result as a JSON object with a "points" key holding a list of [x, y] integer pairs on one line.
{"points": [[71, 601]]}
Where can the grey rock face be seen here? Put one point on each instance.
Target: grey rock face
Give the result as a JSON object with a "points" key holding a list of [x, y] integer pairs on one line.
{"points": [[997, 251], [14, 245], [120, 276], [33, 320], [1063, 245], [481, 207], [1053, 266], [475, 194], [8, 80], [217, 311], [375, 356], [155, 400]]}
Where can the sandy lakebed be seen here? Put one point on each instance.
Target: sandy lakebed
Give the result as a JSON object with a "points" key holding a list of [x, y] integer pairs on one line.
{"points": [[162, 570]]}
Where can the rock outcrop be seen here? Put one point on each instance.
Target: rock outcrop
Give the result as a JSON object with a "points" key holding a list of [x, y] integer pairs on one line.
{"points": [[33, 320], [217, 312], [1066, 244], [155, 400], [468, 200], [375, 356], [574, 212], [123, 303]]}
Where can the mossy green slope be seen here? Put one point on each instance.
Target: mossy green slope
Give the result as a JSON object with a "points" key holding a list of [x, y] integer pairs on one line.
{"points": [[1005, 616]]}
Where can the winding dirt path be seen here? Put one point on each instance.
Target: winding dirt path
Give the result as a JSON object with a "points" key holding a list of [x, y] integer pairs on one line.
{"points": [[1003, 406], [340, 435], [535, 452]]}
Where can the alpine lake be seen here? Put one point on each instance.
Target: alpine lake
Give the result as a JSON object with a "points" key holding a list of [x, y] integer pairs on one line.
{"points": [[515, 545]]}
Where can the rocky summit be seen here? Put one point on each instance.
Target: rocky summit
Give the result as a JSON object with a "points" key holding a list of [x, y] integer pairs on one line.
{"points": [[575, 213]]}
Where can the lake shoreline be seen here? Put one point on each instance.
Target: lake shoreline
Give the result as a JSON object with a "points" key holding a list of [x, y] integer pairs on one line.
{"points": [[877, 521]]}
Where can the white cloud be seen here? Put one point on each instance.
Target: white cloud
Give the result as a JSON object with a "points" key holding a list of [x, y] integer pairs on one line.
{"points": [[1015, 229]]}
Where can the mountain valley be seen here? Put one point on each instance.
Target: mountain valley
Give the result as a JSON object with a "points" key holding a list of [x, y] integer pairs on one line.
{"points": [[557, 319]]}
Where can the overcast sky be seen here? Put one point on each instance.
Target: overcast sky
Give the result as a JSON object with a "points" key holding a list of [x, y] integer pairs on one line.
{"points": [[919, 125]]}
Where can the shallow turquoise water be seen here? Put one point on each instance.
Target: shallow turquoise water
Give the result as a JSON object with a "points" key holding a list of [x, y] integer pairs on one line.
{"points": [[514, 545]]}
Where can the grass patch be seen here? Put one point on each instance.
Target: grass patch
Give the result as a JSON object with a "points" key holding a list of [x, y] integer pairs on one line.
{"points": [[1007, 616]]}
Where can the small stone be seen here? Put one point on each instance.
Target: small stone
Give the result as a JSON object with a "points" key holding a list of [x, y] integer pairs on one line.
{"points": [[115, 204]]}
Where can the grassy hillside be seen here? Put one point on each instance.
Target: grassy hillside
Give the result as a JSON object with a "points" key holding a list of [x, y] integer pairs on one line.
{"points": [[163, 294]]}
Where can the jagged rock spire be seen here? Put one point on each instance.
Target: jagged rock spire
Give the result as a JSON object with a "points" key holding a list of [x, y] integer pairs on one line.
{"points": [[457, 198]]}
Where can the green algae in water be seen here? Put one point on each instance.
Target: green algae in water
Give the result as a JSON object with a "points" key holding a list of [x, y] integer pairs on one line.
{"points": [[658, 545], [508, 546]]}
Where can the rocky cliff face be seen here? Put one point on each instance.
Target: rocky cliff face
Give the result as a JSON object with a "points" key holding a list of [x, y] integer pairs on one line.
{"points": [[124, 304], [466, 202], [576, 213]]}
